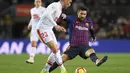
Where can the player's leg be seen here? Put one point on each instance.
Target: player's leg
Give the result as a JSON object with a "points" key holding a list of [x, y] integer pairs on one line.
{"points": [[32, 53], [50, 42], [42, 36], [50, 62], [90, 52], [69, 54], [55, 41], [57, 56], [65, 58]]}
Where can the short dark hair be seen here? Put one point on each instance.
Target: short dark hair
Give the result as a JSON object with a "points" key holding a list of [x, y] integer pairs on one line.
{"points": [[83, 8]]}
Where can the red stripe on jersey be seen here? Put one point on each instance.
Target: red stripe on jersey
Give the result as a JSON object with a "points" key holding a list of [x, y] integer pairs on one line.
{"points": [[40, 36]]}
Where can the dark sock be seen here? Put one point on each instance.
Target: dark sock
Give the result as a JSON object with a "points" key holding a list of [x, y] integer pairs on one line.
{"points": [[93, 57], [54, 66]]}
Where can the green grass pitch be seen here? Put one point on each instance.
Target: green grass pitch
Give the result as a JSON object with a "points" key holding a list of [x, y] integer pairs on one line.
{"points": [[116, 63]]}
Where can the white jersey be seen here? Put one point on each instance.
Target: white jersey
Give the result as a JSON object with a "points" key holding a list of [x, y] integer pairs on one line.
{"points": [[50, 16], [35, 16]]}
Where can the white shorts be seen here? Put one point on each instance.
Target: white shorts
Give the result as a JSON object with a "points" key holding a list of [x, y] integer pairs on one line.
{"points": [[46, 35], [33, 36]]}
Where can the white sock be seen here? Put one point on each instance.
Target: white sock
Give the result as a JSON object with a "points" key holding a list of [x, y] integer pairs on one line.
{"points": [[51, 60], [33, 52], [47, 67], [59, 60]]}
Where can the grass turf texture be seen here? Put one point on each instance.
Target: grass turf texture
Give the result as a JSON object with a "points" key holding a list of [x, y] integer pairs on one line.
{"points": [[116, 63]]}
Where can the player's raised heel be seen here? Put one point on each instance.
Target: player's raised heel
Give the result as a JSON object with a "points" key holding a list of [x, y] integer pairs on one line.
{"points": [[43, 71], [63, 71], [101, 61], [30, 61]]}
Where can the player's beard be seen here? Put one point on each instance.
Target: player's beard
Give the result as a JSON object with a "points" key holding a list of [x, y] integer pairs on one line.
{"points": [[82, 19]]}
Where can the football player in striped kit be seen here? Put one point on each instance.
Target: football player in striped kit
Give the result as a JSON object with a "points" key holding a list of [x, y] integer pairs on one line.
{"points": [[79, 27]]}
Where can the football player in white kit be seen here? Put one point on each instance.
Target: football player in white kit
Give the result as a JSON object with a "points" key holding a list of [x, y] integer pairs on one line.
{"points": [[36, 13], [46, 35]]}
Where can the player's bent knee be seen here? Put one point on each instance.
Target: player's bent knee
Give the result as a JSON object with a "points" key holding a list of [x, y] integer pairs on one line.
{"points": [[53, 46], [55, 51], [90, 51]]}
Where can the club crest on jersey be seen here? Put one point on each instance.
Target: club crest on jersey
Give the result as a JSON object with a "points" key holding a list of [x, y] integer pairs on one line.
{"points": [[87, 24], [35, 16]]}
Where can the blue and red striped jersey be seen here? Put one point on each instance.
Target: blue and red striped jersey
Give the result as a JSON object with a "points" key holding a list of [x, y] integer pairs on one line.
{"points": [[78, 31]]}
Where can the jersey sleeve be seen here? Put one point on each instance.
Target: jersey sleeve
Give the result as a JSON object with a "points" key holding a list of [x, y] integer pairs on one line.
{"points": [[91, 28], [51, 10], [58, 13]]}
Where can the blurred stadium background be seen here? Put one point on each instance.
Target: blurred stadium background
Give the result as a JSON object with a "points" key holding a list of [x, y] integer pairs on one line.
{"points": [[112, 28]]}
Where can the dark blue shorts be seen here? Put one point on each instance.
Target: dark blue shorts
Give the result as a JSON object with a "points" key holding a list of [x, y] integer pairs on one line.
{"points": [[73, 51]]}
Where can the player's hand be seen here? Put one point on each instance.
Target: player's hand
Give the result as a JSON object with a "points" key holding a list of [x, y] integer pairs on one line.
{"points": [[29, 27], [63, 16], [60, 28], [93, 39]]}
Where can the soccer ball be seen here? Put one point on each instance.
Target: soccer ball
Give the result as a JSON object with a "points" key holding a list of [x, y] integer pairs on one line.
{"points": [[80, 70]]}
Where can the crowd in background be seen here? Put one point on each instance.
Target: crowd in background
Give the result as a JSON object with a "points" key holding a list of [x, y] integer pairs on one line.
{"points": [[111, 18]]}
